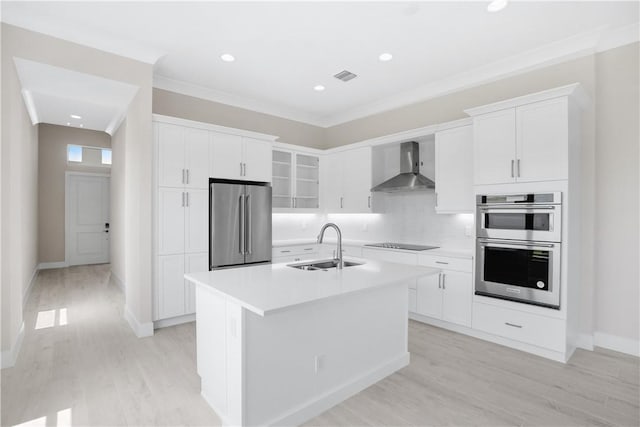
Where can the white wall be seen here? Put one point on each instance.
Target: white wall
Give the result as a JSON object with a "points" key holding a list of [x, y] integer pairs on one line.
{"points": [[117, 215]]}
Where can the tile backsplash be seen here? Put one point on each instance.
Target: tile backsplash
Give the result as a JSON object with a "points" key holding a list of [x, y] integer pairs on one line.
{"points": [[404, 217]]}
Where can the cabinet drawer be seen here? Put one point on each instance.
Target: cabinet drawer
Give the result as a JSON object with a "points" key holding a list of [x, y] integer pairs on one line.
{"points": [[529, 328], [289, 251], [447, 263], [390, 256], [413, 300]]}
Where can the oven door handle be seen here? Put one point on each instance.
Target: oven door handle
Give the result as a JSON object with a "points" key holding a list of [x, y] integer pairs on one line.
{"points": [[516, 208], [516, 243]]}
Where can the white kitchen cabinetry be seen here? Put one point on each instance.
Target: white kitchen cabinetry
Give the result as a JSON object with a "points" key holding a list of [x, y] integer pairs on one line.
{"points": [[454, 170], [447, 296], [348, 178], [182, 156], [240, 157], [525, 143], [296, 181]]}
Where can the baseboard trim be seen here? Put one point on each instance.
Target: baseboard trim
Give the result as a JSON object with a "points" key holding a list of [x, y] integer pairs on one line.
{"points": [[117, 281], [616, 343], [27, 292], [140, 329], [10, 356], [179, 320], [50, 265], [331, 398], [585, 342]]}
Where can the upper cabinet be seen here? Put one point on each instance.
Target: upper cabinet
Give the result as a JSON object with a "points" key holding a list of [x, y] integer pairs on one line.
{"points": [[348, 181], [296, 181], [454, 170], [239, 157], [526, 139], [182, 156]]}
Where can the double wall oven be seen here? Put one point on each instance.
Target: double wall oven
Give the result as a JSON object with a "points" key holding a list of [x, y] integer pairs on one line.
{"points": [[518, 248]]}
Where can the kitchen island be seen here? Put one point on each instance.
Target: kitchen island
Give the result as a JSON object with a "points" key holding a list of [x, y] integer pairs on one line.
{"points": [[278, 345]]}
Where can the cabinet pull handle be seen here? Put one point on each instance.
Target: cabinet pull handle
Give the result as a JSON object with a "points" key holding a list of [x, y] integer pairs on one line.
{"points": [[442, 262], [439, 280], [240, 168], [436, 199], [284, 252], [512, 162], [308, 249], [443, 277], [183, 176], [369, 202], [295, 202], [341, 202], [188, 176], [245, 169], [187, 198], [183, 199], [518, 167], [513, 325]]}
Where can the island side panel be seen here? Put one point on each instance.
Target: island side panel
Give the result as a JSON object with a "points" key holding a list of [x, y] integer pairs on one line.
{"points": [[301, 361], [219, 354]]}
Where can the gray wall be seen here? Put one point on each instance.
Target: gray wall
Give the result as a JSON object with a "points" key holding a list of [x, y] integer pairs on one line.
{"points": [[52, 165], [188, 107]]}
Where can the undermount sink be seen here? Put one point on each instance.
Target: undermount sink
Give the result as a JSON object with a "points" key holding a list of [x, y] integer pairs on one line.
{"points": [[322, 265]]}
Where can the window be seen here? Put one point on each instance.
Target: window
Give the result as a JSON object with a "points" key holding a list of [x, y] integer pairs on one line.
{"points": [[89, 156]]}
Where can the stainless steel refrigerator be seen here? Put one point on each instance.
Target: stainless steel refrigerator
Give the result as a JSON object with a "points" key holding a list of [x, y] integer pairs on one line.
{"points": [[239, 223]]}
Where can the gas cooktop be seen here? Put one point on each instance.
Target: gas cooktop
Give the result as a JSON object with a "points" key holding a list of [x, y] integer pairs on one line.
{"points": [[404, 246]]}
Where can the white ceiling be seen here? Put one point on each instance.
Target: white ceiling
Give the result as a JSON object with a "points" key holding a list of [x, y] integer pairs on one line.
{"points": [[53, 94], [284, 49]]}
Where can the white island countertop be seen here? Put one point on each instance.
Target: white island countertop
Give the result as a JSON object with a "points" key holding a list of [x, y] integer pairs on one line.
{"points": [[269, 288]]}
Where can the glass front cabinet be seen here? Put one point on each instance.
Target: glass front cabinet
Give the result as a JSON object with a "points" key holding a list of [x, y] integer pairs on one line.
{"points": [[296, 181]]}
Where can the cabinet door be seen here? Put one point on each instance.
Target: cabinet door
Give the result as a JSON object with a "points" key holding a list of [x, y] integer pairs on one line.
{"points": [[332, 174], [171, 168], [282, 179], [196, 229], [429, 296], [357, 179], [494, 147], [454, 170], [196, 148], [543, 141], [193, 263], [457, 297], [257, 160], [307, 182], [171, 221], [171, 293], [225, 156]]}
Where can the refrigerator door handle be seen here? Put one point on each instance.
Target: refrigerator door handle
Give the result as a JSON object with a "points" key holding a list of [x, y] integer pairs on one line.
{"points": [[249, 243], [242, 224]]}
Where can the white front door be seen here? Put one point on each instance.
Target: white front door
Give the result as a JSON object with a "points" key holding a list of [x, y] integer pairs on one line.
{"points": [[87, 219]]}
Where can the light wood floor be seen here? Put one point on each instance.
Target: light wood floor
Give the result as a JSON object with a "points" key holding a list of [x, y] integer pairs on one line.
{"points": [[94, 371]]}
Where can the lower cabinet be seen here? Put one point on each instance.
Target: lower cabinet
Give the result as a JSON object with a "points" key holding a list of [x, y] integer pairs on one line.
{"points": [[447, 296], [176, 296]]}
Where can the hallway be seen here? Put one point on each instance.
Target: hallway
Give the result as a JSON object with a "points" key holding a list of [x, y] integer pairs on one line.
{"points": [[80, 363]]}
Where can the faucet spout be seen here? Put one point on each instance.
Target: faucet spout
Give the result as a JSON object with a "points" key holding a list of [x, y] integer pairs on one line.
{"points": [[339, 248]]}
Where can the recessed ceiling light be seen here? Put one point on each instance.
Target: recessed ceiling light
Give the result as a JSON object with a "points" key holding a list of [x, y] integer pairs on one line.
{"points": [[227, 57], [68, 124], [318, 88], [75, 116], [497, 5], [81, 125], [385, 57]]}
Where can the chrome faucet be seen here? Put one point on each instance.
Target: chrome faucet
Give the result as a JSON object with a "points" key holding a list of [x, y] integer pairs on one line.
{"points": [[321, 236]]}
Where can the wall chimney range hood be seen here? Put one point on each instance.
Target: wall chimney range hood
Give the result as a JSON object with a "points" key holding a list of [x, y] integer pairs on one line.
{"points": [[409, 178]]}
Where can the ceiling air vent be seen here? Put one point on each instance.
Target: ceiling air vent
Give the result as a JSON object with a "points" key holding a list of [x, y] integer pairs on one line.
{"points": [[345, 75]]}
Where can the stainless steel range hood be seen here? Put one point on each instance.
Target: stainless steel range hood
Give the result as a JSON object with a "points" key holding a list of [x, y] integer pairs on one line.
{"points": [[409, 178]]}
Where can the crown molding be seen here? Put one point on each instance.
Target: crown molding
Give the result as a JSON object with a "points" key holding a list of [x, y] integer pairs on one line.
{"points": [[212, 127], [197, 91]]}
